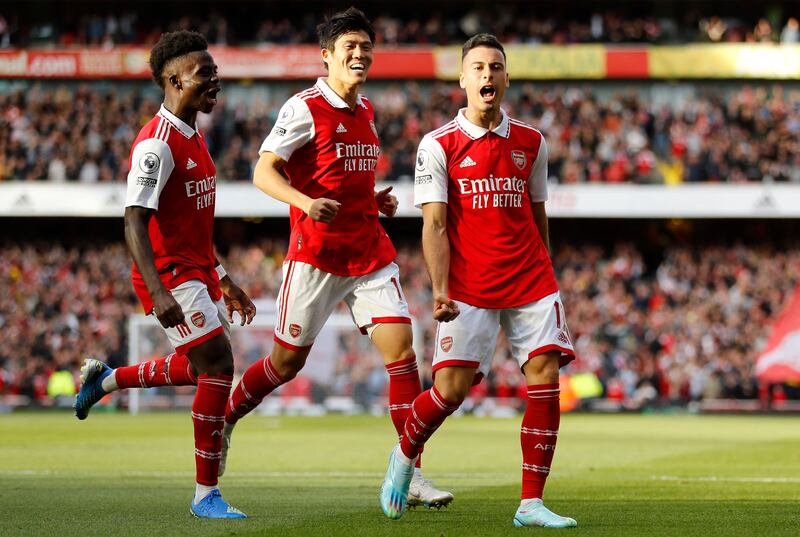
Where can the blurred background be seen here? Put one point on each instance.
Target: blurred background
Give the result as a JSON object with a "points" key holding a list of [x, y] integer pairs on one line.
{"points": [[674, 190]]}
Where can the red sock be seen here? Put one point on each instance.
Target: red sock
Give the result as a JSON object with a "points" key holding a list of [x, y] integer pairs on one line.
{"points": [[538, 437], [428, 412], [172, 370], [404, 387], [208, 415], [257, 382]]}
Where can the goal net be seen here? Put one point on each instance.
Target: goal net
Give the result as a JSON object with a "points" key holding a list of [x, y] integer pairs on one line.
{"points": [[343, 373]]}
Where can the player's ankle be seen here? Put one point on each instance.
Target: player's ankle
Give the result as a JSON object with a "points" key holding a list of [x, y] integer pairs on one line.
{"points": [[405, 459], [109, 384], [201, 491]]}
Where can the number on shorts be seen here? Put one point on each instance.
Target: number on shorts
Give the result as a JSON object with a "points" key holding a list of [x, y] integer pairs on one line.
{"points": [[399, 296]]}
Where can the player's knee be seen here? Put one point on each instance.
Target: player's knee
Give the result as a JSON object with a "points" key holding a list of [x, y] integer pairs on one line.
{"points": [[223, 367], [453, 393], [288, 371], [454, 383], [394, 341], [288, 363], [405, 354], [542, 369], [212, 357]]}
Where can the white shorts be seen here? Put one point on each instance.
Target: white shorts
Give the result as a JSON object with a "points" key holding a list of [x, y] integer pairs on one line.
{"points": [[308, 296], [533, 329], [205, 318]]}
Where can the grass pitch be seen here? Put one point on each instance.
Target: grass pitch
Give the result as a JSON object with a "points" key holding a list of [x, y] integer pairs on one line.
{"points": [[116, 474]]}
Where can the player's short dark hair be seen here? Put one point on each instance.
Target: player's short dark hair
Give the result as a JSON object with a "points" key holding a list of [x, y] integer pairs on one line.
{"points": [[350, 20], [481, 40], [173, 45]]}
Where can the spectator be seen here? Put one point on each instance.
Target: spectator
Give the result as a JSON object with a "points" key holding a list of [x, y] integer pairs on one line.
{"points": [[751, 134], [684, 330]]}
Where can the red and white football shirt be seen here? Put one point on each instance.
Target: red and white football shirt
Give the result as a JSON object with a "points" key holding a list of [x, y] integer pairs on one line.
{"points": [[172, 173], [489, 180], [331, 152]]}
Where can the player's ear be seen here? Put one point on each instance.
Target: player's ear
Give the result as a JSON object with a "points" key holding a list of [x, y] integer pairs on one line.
{"points": [[461, 81], [175, 81], [507, 81], [326, 54]]}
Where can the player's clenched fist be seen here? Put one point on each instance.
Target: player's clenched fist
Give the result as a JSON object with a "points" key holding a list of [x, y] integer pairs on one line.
{"points": [[387, 203], [444, 309], [323, 210], [167, 310]]}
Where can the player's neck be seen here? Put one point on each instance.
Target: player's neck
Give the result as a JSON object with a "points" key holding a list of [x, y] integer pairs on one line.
{"points": [[488, 119], [182, 112], [349, 94]]}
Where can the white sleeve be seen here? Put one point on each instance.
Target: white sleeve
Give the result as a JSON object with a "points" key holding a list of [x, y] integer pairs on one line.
{"points": [[537, 182], [151, 166], [293, 129], [430, 173]]}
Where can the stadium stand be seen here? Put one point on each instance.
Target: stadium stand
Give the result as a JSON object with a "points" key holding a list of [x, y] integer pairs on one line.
{"points": [[749, 133], [274, 22], [670, 333]]}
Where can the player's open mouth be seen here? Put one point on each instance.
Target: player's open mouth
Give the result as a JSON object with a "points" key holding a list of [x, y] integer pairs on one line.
{"points": [[212, 94], [487, 92], [359, 67]]}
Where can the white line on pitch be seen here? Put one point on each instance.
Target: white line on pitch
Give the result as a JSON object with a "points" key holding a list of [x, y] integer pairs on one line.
{"points": [[375, 475], [734, 479], [371, 475]]}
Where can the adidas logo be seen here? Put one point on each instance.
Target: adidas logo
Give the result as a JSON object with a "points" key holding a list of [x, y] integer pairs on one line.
{"points": [[467, 162], [765, 202], [562, 337], [340, 129], [191, 164]]}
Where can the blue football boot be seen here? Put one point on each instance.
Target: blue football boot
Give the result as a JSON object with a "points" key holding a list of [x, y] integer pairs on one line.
{"points": [[394, 490], [213, 506], [533, 513], [92, 374]]}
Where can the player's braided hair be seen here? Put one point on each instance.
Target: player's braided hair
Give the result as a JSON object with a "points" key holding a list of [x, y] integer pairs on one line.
{"points": [[172, 45], [481, 40], [350, 20]]}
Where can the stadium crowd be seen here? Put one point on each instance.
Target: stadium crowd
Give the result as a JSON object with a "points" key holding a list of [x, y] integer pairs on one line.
{"points": [[751, 133], [252, 24], [687, 329]]}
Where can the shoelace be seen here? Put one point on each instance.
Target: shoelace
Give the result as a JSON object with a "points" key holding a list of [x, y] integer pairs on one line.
{"points": [[209, 499], [425, 483]]}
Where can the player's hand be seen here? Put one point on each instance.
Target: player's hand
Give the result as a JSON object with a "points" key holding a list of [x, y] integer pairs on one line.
{"points": [[444, 309], [323, 210], [387, 203], [167, 310], [238, 301]]}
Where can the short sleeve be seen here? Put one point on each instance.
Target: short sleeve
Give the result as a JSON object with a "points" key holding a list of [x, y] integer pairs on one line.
{"points": [[151, 166], [537, 182], [293, 129], [430, 173]]}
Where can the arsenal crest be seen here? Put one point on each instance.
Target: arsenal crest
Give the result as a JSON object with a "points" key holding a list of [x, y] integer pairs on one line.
{"points": [[198, 319], [295, 329], [519, 159], [447, 343]]}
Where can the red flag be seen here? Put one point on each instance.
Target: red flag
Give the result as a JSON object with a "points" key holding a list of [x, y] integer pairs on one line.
{"points": [[780, 360]]}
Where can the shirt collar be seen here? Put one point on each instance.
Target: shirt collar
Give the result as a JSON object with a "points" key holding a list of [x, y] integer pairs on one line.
{"points": [[333, 98], [475, 131], [185, 129]]}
